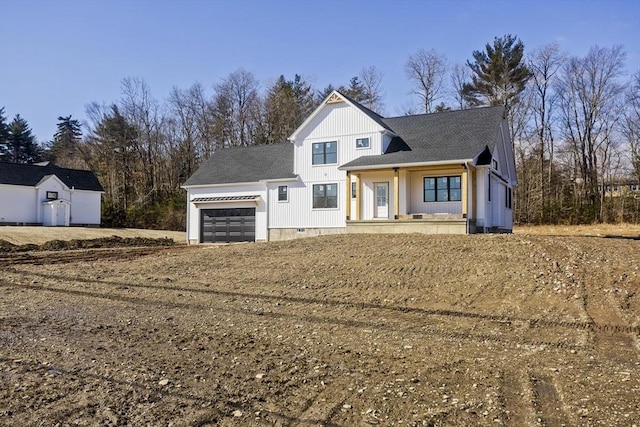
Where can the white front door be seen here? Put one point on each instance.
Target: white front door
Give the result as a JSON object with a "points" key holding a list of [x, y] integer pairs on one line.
{"points": [[381, 208]]}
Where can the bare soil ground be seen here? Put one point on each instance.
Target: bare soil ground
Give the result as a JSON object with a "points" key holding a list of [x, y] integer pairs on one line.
{"points": [[519, 330]]}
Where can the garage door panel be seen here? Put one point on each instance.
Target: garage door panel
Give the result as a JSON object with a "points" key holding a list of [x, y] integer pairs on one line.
{"points": [[228, 225]]}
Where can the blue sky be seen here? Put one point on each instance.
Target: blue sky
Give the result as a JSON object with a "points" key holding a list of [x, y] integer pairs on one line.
{"points": [[56, 56]]}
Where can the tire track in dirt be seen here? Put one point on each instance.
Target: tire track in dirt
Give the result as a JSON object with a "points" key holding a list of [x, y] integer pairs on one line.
{"points": [[205, 289], [515, 398], [605, 320], [323, 407], [407, 322]]}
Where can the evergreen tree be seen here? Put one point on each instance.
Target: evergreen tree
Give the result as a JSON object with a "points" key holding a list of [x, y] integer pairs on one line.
{"points": [[4, 136], [22, 144], [498, 75], [64, 147]]}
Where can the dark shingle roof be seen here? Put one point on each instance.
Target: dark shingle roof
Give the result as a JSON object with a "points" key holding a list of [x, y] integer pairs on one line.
{"points": [[31, 175], [449, 135], [246, 164]]}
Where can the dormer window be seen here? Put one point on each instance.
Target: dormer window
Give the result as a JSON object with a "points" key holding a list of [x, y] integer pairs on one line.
{"points": [[52, 195], [494, 164], [362, 143]]}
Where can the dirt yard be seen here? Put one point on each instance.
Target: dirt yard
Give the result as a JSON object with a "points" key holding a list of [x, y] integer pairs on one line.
{"points": [[485, 330]]}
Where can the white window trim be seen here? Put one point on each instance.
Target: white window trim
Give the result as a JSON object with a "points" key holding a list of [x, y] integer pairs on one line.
{"points": [[368, 147], [325, 164], [337, 196]]}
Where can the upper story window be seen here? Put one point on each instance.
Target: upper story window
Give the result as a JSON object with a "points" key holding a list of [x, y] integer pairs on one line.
{"points": [[443, 189], [52, 195], [362, 143], [325, 153], [494, 164], [283, 193]]}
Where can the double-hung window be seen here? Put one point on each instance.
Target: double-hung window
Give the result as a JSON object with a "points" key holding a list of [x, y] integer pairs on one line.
{"points": [[325, 153], [325, 196], [443, 189]]}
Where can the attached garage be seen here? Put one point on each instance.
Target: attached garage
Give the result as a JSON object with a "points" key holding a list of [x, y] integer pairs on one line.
{"points": [[227, 225]]}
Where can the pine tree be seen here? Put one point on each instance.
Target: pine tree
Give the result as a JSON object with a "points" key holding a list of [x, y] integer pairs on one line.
{"points": [[498, 75], [64, 147], [22, 144], [4, 136]]}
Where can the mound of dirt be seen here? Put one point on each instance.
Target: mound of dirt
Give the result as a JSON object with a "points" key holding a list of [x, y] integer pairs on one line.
{"points": [[103, 242]]}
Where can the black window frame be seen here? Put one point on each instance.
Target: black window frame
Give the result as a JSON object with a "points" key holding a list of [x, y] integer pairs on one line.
{"points": [[437, 189], [286, 193], [322, 200], [508, 198], [52, 195], [322, 157]]}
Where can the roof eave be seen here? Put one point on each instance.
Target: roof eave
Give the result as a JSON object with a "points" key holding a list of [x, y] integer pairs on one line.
{"points": [[406, 165]]}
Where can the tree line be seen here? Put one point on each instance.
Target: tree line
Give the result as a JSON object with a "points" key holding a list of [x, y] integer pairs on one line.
{"points": [[574, 121]]}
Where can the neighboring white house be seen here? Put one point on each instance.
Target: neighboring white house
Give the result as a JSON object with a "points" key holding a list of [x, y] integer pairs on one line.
{"points": [[347, 169], [44, 194]]}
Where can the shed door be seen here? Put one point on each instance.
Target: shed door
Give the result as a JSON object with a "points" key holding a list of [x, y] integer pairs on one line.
{"points": [[228, 225]]}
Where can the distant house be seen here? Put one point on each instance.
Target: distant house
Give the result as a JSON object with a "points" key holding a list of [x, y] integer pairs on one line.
{"points": [[45, 194], [347, 169]]}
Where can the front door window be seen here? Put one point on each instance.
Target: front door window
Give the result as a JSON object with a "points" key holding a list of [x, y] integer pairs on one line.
{"points": [[382, 200]]}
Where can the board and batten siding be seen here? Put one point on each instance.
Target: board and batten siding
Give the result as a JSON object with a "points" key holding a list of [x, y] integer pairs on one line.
{"points": [[298, 211], [343, 124], [193, 209], [418, 205]]}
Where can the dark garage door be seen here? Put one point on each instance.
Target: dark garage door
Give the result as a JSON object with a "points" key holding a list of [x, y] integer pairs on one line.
{"points": [[228, 225]]}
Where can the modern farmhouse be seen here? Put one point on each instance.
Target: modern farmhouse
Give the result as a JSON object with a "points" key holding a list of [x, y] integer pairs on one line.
{"points": [[45, 194], [347, 169]]}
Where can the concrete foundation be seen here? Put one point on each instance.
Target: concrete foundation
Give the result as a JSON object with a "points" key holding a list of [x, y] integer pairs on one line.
{"points": [[297, 233], [424, 226]]}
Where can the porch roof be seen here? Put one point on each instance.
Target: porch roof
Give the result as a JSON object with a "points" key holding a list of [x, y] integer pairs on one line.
{"points": [[451, 136]]}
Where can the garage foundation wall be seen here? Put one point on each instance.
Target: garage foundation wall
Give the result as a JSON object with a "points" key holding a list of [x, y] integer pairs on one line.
{"points": [[297, 233]]}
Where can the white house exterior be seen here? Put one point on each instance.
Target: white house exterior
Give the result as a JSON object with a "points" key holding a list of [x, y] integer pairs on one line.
{"points": [[44, 194], [348, 170]]}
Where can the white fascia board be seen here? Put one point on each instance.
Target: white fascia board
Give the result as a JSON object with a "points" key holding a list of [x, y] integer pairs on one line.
{"points": [[407, 165], [267, 181], [226, 184]]}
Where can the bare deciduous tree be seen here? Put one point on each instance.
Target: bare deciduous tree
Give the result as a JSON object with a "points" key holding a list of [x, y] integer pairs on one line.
{"points": [[371, 80], [426, 70], [460, 75], [590, 95]]}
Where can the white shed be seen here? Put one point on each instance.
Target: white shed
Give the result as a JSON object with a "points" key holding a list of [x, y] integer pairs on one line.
{"points": [[45, 194]]}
